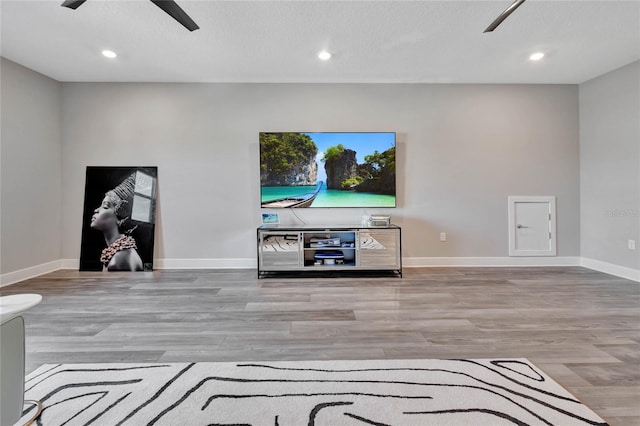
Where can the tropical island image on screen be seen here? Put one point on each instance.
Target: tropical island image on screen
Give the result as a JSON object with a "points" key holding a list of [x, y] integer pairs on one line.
{"points": [[327, 169]]}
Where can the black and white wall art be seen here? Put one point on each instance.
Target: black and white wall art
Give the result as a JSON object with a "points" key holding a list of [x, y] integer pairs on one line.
{"points": [[118, 222]]}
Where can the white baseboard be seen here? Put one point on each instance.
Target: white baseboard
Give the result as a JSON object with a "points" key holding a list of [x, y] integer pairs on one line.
{"points": [[409, 262], [31, 272], [610, 268], [416, 262]]}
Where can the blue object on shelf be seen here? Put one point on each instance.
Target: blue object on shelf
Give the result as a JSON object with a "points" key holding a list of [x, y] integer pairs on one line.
{"points": [[329, 255]]}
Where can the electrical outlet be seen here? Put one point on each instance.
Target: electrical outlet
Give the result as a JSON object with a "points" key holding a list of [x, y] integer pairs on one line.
{"points": [[443, 236], [632, 244]]}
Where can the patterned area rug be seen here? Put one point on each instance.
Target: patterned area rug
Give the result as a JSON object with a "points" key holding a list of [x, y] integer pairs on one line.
{"points": [[392, 392]]}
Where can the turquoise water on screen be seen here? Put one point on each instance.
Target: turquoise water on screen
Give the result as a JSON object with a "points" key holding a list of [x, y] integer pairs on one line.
{"points": [[330, 197]]}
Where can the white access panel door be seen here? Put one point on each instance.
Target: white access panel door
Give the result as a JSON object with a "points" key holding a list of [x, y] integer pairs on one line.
{"points": [[532, 226]]}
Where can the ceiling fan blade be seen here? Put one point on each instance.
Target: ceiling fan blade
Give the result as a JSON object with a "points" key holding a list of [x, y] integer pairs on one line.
{"points": [[73, 4], [508, 11], [176, 12]]}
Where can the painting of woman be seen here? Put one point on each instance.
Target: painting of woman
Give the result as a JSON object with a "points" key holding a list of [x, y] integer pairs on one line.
{"points": [[119, 216], [111, 217]]}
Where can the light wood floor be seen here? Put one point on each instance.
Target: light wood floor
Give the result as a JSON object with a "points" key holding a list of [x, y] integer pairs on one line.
{"points": [[579, 326]]}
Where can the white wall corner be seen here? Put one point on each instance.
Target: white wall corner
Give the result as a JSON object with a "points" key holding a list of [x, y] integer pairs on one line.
{"points": [[611, 269]]}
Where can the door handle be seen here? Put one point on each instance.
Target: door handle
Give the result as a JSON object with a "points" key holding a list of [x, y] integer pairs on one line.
{"points": [[521, 226]]}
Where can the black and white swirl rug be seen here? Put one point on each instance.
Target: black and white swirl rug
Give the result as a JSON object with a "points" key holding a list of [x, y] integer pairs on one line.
{"points": [[392, 392]]}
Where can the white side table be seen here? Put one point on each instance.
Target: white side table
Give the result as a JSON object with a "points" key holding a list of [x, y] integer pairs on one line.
{"points": [[12, 353]]}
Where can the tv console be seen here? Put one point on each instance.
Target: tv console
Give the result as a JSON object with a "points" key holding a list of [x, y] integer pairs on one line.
{"points": [[329, 250]]}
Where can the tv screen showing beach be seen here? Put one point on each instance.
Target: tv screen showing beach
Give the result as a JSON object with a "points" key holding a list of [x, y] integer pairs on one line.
{"points": [[327, 170]]}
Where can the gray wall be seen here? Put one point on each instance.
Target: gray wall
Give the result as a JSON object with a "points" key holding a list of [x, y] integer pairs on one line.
{"points": [[31, 169], [610, 166], [462, 149]]}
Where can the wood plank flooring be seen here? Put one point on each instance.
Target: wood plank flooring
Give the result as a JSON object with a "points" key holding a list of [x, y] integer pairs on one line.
{"points": [[579, 326]]}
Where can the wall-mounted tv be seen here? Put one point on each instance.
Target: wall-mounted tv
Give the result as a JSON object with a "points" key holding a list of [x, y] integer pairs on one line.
{"points": [[328, 169]]}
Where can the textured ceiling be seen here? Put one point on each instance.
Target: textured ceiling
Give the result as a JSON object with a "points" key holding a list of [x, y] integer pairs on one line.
{"points": [[278, 41]]}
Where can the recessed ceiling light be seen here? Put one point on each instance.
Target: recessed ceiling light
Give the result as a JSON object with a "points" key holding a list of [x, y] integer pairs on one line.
{"points": [[109, 54], [324, 55], [536, 56]]}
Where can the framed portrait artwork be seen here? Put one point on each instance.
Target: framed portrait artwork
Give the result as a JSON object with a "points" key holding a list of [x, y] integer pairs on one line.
{"points": [[118, 223]]}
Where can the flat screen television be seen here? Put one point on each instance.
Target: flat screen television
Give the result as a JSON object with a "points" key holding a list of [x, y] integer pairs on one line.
{"points": [[327, 169]]}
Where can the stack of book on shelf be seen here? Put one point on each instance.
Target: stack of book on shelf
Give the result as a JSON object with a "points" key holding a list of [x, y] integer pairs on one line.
{"points": [[324, 242]]}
